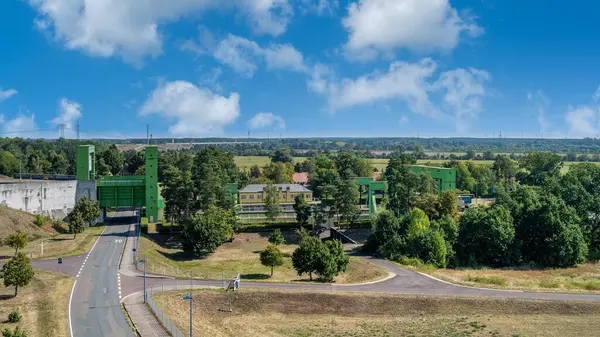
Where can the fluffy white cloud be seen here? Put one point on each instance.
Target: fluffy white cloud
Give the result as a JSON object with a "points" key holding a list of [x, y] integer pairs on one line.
{"points": [[376, 26], [461, 90], [542, 102], [464, 91], [7, 94], [70, 112], [20, 126], [243, 55], [266, 119], [319, 6], [583, 121], [195, 111], [130, 28]]}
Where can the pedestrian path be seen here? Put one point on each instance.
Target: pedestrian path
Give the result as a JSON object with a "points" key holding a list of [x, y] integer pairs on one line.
{"points": [[146, 323]]}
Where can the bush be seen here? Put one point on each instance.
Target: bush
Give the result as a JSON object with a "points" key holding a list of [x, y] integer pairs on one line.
{"points": [[410, 261], [40, 220], [14, 317], [144, 228], [496, 280], [16, 333]]}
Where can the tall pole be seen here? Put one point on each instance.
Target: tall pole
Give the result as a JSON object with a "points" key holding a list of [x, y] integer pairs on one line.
{"points": [[147, 134], [190, 314]]}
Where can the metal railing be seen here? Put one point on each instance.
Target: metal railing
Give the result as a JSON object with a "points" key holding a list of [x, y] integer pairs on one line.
{"points": [[164, 320]]}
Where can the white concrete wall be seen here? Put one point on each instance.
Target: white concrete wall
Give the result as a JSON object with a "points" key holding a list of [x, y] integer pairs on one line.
{"points": [[51, 198]]}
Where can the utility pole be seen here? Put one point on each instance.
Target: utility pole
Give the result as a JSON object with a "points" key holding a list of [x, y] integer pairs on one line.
{"points": [[147, 134], [62, 130]]}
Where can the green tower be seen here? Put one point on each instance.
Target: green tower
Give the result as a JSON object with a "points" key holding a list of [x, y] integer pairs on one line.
{"points": [[86, 162], [152, 183]]}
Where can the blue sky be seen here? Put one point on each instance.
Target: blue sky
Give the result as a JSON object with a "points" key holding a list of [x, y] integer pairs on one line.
{"points": [[300, 68]]}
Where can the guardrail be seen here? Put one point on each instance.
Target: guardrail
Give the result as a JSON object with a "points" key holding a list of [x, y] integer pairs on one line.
{"points": [[337, 235]]}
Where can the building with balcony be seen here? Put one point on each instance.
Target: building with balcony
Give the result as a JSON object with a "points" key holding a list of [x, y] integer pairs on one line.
{"points": [[252, 198]]}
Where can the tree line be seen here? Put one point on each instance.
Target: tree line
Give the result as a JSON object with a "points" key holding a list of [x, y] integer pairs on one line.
{"points": [[540, 217]]}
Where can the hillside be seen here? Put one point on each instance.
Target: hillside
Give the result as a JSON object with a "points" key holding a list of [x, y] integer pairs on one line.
{"points": [[12, 220]]}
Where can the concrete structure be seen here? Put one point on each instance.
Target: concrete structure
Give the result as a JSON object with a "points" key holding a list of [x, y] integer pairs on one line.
{"points": [[53, 198]]}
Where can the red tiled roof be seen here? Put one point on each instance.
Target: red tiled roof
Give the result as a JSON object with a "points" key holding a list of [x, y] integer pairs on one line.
{"points": [[300, 177]]}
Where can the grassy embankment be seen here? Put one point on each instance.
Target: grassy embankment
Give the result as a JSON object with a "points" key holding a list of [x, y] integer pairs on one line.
{"points": [[57, 242], [242, 256], [286, 313], [245, 162], [583, 278], [43, 305]]}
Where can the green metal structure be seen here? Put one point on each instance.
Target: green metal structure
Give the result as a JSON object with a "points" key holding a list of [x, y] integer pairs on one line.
{"points": [[85, 159], [444, 177], [123, 191]]}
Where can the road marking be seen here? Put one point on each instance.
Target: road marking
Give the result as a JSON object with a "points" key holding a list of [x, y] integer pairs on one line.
{"points": [[75, 283]]}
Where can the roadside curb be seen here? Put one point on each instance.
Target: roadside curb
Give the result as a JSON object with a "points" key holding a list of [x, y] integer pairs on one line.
{"points": [[464, 286], [391, 275]]}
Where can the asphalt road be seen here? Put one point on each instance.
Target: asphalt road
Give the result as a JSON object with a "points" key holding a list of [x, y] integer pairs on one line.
{"points": [[95, 308]]}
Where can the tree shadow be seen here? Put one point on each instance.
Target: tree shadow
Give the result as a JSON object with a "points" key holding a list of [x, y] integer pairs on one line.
{"points": [[180, 256], [255, 276], [6, 297], [60, 239]]}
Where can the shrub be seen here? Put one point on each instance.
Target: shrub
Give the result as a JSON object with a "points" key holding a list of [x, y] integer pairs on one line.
{"points": [[144, 228], [410, 261], [276, 238], [549, 284], [14, 317], [16, 333], [39, 220], [496, 280]]}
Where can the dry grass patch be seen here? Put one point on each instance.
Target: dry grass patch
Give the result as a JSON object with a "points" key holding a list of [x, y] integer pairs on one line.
{"points": [[286, 313], [59, 245], [583, 278], [12, 220], [242, 256], [43, 305]]}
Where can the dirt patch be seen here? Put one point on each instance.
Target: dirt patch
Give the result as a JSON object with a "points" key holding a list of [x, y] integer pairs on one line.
{"points": [[12, 220], [287, 313], [43, 305]]}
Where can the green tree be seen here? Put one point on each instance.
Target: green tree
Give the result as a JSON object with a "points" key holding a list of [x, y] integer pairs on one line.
{"points": [[282, 155], [464, 178], [550, 235], [402, 184], [386, 226], [334, 262], [347, 198], [76, 223], [486, 236], [302, 209], [102, 169], [9, 164], [276, 238], [58, 163], [272, 208], [428, 203], [447, 204], [213, 168], [37, 163], [17, 272], [349, 165], [178, 193], [133, 161], [113, 157], [255, 171], [539, 166], [88, 209], [204, 233], [505, 169], [307, 257], [279, 173], [17, 241], [271, 257]]}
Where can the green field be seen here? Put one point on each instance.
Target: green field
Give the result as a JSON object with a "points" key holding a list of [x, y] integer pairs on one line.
{"points": [[245, 162]]}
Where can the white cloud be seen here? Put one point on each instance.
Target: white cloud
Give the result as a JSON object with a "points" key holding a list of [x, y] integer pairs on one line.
{"points": [[266, 119], [7, 94], [243, 55], [462, 90], [20, 126], [596, 96], [195, 111], [1, 118], [542, 103], [381, 26], [131, 29], [583, 121], [319, 6], [70, 112], [403, 120]]}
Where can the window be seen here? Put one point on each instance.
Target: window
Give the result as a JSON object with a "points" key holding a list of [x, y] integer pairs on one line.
{"points": [[243, 197], [307, 196], [259, 196], [292, 196], [251, 196]]}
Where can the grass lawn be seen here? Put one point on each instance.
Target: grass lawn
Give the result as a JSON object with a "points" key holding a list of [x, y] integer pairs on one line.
{"points": [[62, 245], [43, 305], [583, 278], [287, 313], [242, 256]]}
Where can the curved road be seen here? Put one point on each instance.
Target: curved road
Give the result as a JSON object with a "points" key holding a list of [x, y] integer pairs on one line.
{"points": [[95, 304]]}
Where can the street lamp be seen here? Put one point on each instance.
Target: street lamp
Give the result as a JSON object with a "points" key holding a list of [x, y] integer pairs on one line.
{"points": [[189, 298], [145, 295]]}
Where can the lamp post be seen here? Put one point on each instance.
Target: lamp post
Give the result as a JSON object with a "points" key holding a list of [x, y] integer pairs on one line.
{"points": [[189, 298], [145, 295]]}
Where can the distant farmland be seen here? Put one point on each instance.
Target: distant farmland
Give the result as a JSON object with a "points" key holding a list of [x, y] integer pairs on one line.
{"points": [[245, 162]]}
